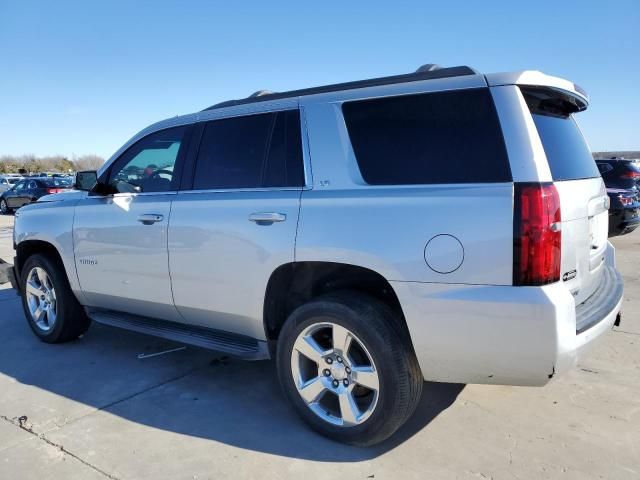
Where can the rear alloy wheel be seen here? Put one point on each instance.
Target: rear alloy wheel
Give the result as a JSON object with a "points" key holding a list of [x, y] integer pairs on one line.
{"points": [[4, 208], [346, 363], [339, 382]]}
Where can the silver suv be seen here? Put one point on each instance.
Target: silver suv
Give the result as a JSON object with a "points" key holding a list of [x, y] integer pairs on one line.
{"points": [[442, 225]]}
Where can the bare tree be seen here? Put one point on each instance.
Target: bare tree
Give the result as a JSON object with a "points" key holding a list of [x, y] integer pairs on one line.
{"points": [[52, 163], [88, 162]]}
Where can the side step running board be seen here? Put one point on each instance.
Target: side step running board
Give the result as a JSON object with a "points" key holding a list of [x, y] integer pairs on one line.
{"points": [[231, 343]]}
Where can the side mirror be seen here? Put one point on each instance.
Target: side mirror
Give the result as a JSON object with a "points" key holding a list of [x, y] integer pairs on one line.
{"points": [[85, 181]]}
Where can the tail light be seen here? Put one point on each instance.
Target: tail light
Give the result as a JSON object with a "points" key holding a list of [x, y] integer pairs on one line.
{"points": [[625, 201], [631, 174], [55, 190], [537, 234]]}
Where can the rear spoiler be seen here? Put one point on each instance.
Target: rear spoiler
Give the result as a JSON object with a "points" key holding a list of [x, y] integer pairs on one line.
{"points": [[534, 78]]}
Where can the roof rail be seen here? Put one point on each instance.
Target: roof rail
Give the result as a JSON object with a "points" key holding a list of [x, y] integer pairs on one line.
{"points": [[428, 71]]}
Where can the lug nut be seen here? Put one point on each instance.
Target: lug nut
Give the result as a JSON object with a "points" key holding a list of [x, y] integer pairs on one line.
{"points": [[326, 372], [347, 369], [339, 358], [345, 382], [329, 360], [335, 383]]}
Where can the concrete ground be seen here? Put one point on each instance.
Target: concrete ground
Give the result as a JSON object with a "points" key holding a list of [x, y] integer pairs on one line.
{"points": [[92, 409]]}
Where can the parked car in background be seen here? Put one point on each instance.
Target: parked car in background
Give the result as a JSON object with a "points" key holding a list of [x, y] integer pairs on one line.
{"points": [[624, 211], [619, 173], [29, 190], [8, 181]]}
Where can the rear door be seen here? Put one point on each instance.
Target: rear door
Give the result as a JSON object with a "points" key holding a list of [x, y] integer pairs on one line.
{"points": [[236, 222], [583, 198]]}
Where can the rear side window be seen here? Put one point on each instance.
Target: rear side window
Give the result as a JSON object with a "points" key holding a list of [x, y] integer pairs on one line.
{"points": [[566, 150], [433, 138], [254, 151]]}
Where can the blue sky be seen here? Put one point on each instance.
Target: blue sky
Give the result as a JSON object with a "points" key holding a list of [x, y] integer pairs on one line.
{"points": [[83, 77]]}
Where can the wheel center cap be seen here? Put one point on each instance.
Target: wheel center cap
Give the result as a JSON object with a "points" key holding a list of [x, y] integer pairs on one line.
{"points": [[338, 371]]}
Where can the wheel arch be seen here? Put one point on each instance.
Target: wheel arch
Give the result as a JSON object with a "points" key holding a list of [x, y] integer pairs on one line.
{"points": [[27, 248], [293, 284]]}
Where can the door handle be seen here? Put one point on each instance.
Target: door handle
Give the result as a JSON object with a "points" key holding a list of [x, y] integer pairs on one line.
{"points": [[150, 218], [267, 218]]}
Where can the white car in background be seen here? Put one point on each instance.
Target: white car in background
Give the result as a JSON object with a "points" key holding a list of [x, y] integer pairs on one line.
{"points": [[7, 181]]}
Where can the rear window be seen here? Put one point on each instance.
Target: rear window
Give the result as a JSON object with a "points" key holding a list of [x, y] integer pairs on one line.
{"points": [[566, 150], [56, 182], [432, 138]]}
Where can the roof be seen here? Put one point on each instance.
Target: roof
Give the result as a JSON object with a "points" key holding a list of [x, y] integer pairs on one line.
{"points": [[426, 72]]}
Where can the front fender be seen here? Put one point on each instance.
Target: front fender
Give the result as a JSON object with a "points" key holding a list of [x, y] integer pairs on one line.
{"points": [[50, 222]]}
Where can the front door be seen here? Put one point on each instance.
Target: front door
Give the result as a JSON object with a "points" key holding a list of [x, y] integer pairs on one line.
{"points": [[121, 239]]}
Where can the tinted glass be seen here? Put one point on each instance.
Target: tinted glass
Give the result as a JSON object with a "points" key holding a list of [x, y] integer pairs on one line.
{"points": [[250, 152], [444, 137], [148, 166], [232, 152], [285, 165], [57, 182], [567, 152]]}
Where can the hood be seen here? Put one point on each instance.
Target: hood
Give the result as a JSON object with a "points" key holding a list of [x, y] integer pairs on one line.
{"points": [[63, 196]]}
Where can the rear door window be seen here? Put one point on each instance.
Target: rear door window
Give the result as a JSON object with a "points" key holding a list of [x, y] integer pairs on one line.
{"points": [[254, 151], [567, 152], [431, 138]]}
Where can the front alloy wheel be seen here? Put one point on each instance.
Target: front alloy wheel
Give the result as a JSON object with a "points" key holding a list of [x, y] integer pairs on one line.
{"points": [[4, 208], [41, 299], [50, 307]]}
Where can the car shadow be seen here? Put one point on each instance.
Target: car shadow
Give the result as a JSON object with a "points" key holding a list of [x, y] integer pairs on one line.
{"points": [[194, 392]]}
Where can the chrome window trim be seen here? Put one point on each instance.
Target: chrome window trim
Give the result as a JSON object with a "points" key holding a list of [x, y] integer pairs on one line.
{"points": [[241, 190], [132, 194]]}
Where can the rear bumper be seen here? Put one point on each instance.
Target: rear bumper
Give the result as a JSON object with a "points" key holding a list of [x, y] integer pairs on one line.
{"points": [[624, 221], [503, 334]]}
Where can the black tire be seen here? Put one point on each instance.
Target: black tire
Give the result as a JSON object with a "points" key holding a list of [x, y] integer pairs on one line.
{"points": [[4, 208], [387, 340], [71, 319]]}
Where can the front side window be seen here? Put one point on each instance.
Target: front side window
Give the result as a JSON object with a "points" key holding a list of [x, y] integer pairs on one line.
{"points": [[148, 166], [254, 151]]}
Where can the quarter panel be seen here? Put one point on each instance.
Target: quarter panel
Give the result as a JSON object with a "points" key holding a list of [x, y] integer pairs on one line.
{"points": [[387, 229]]}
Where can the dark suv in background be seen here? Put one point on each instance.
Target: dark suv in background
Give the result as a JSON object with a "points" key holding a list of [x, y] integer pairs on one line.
{"points": [[622, 179]]}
